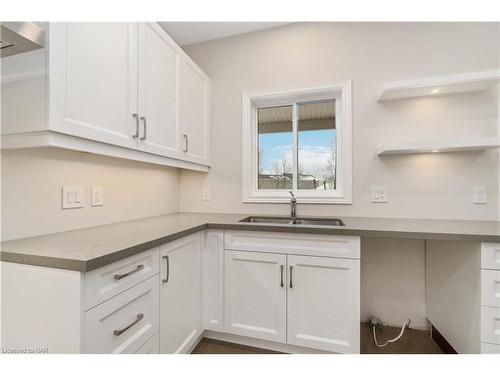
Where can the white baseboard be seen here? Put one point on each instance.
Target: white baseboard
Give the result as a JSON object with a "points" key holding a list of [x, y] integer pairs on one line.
{"points": [[263, 344]]}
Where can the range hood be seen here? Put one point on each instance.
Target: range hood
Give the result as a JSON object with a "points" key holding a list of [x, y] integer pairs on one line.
{"points": [[20, 37]]}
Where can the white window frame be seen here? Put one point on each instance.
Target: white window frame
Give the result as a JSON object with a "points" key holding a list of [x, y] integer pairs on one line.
{"points": [[341, 92]]}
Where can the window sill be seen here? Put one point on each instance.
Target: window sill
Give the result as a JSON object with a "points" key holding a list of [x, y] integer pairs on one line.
{"points": [[300, 199]]}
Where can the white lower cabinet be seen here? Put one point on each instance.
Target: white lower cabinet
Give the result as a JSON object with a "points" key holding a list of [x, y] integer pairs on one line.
{"points": [[490, 348], [180, 294], [125, 322], [150, 347], [323, 303], [308, 300], [293, 299], [255, 293]]}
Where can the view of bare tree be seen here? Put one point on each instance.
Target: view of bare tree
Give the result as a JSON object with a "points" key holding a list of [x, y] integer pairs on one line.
{"points": [[281, 169], [331, 169], [260, 160]]}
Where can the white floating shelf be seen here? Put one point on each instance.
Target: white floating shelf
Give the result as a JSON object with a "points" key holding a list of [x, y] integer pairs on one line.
{"points": [[439, 145], [438, 86]]}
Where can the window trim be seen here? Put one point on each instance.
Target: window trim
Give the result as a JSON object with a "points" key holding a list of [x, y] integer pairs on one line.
{"points": [[341, 92]]}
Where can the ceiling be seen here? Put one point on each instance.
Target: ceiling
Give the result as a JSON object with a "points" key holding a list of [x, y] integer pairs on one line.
{"points": [[185, 33], [321, 110]]}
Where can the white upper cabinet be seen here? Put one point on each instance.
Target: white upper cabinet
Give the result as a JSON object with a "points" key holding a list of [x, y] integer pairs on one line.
{"points": [[113, 84], [194, 112], [158, 91], [93, 81]]}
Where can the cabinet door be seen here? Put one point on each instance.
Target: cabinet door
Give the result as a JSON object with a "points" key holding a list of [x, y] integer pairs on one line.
{"points": [[323, 303], [180, 294], [212, 281], [255, 295], [93, 81], [158, 91], [194, 109]]}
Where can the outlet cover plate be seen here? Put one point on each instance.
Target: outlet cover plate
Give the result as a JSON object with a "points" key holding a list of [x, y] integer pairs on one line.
{"points": [[97, 196], [379, 195], [479, 195], [205, 194]]}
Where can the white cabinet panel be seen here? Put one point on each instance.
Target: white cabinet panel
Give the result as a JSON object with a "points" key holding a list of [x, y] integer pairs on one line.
{"points": [[490, 288], [93, 81], [294, 243], [150, 347], [180, 294], [490, 255], [124, 323], [194, 111], [323, 303], [112, 279], [490, 348], [212, 281], [158, 91], [255, 295], [490, 325]]}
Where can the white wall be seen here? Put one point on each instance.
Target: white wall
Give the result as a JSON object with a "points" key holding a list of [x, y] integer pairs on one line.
{"points": [[32, 182], [425, 186], [420, 186], [393, 281]]}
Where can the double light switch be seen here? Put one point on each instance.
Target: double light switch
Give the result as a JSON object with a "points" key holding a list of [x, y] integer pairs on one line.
{"points": [[74, 196]]}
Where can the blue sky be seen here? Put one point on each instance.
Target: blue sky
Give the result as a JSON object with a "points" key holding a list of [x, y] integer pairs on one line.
{"points": [[314, 148]]}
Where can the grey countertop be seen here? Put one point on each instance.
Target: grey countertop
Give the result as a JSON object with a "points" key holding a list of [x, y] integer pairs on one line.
{"points": [[86, 249]]}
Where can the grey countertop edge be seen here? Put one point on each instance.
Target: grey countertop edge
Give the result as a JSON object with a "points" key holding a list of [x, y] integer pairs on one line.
{"points": [[358, 232], [89, 265]]}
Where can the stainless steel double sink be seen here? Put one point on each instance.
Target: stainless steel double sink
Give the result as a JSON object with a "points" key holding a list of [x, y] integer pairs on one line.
{"points": [[293, 221]]}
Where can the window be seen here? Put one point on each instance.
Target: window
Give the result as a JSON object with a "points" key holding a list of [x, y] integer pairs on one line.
{"points": [[298, 140]]}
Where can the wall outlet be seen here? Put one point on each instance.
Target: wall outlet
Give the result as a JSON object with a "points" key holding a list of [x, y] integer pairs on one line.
{"points": [[205, 194], [479, 195], [379, 195], [72, 197], [97, 196]]}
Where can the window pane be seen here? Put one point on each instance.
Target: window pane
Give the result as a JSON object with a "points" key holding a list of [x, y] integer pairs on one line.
{"points": [[316, 146], [275, 148]]}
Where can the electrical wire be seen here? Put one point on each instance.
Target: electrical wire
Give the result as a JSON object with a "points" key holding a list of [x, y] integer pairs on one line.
{"points": [[407, 323]]}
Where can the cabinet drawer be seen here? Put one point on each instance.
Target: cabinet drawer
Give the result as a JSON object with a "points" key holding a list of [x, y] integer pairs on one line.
{"points": [[294, 243], [105, 282], [152, 346], [490, 325], [490, 288], [124, 323], [490, 255], [490, 348]]}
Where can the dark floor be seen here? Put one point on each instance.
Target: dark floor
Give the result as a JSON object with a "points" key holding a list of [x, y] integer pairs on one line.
{"points": [[211, 346], [413, 342]]}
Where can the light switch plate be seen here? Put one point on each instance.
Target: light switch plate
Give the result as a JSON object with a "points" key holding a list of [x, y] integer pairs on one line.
{"points": [[479, 195], [97, 196], [205, 194], [73, 197], [379, 195]]}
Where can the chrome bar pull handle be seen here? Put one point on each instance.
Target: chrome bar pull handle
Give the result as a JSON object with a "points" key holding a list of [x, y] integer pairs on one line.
{"points": [[167, 274], [122, 275], [136, 116], [291, 276], [282, 283], [186, 142], [143, 119], [118, 332]]}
